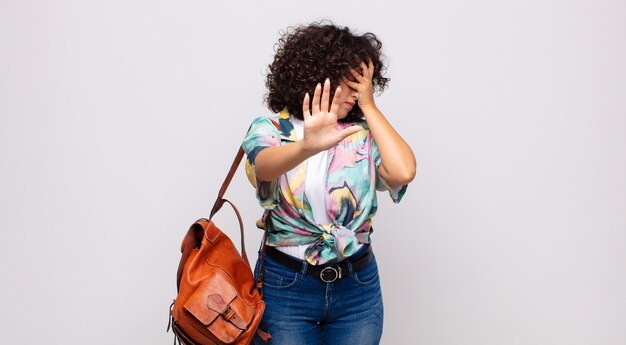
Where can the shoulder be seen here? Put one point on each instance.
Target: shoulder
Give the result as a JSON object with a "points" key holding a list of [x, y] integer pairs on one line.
{"points": [[265, 120], [264, 123]]}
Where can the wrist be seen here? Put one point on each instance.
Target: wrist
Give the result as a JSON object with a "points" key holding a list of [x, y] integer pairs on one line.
{"points": [[305, 151], [368, 108]]}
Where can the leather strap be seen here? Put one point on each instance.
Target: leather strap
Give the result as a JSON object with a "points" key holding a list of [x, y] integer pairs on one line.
{"points": [[220, 200], [196, 231]]}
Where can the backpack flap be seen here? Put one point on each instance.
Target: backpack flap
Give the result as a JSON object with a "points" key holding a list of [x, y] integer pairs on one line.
{"points": [[217, 307]]}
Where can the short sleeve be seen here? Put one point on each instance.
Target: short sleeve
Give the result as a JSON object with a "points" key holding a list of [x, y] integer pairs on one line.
{"points": [[262, 134], [397, 192]]}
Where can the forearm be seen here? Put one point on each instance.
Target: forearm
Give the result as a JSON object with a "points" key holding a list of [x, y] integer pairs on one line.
{"points": [[398, 161], [272, 162]]}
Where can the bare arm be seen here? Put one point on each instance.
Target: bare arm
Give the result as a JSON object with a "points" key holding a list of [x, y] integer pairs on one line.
{"points": [[320, 133], [397, 159], [275, 161]]}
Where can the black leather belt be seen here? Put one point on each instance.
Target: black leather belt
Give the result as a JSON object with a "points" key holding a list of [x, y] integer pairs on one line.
{"points": [[328, 273]]}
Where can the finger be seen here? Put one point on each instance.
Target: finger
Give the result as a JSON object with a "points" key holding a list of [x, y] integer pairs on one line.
{"points": [[334, 108], [348, 131], [316, 100], [356, 74], [370, 65], [350, 83], [364, 68], [325, 96], [306, 112]]}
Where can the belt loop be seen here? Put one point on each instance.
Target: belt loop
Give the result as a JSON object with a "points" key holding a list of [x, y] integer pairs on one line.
{"points": [[350, 270], [305, 265]]}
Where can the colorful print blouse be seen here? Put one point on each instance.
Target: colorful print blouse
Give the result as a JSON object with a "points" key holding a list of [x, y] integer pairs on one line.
{"points": [[352, 181]]}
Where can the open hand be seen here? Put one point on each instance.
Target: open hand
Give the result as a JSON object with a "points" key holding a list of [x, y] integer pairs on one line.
{"points": [[320, 122], [363, 83]]}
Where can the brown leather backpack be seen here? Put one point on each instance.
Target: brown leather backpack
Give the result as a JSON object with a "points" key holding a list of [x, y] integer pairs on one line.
{"points": [[218, 300]]}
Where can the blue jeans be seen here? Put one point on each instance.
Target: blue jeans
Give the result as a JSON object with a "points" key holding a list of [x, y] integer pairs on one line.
{"points": [[303, 310]]}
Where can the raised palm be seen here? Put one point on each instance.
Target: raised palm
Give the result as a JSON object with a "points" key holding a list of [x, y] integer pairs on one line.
{"points": [[320, 121]]}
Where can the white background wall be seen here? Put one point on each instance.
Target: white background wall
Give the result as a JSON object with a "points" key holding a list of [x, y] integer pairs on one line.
{"points": [[119, 119]]}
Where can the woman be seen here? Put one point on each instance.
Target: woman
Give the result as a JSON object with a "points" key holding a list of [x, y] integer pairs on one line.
{"points": [[316, 166]]}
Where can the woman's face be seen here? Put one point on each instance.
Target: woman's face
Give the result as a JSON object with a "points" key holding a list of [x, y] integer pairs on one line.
{"points": [[348, 99]]}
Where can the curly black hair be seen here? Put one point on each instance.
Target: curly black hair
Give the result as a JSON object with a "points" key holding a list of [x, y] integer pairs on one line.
{"points": [[307, 55]]}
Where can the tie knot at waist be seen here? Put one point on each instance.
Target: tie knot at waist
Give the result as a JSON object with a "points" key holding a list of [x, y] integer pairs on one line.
{"points": [[336, 241]]}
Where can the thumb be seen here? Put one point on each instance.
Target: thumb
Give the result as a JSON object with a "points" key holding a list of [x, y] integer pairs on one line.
{"points": [[348, 131]]}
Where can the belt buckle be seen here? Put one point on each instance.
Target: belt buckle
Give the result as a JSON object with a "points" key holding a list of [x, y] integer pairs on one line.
{"points": [[336, 274]]}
